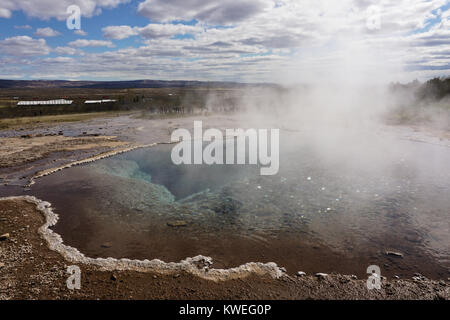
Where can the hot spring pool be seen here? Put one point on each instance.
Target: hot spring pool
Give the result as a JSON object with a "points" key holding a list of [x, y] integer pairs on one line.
{"points": [[324, 211]]}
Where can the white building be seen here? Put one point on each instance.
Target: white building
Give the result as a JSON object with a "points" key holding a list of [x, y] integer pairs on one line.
{"points": [[99, 101], [45, 102]]}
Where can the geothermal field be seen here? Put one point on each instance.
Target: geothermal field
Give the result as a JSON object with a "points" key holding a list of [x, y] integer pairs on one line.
{"points": [[226, 155], [341, 195]]}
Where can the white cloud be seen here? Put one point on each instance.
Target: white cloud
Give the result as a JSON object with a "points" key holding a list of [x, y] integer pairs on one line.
{"points": [[265, 40], [58, 60], [118, 32], [166, 30], [213, 11], [91, 43], [24, 46], [46, 32], [25, 27], [67, 51], [80, 32], [46, 9], [150, 31], [5, 13]]}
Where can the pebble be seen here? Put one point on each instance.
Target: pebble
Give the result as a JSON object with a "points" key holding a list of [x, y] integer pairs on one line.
{"points": [[396, 277], [177, 223], [113, 277], [283, 269], [354, 277], [301, 274], [4, 236], [2, 265], [106, 245], [394, 253], [321, 275]]}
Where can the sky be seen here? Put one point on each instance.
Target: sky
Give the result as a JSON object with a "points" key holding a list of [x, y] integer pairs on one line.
{"points": [[283, 41]]}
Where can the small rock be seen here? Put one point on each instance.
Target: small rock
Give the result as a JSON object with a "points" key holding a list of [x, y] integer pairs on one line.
{"points": [[2, 265], [442, 283], [283, 269], [344, 280], [176, 276], [354, 277], [106, 245], [113, 277], [396, 277], [177, 223], [394, 254], [301, 274], [321, 275], [440, 296], [4, 236], [26, 136]]}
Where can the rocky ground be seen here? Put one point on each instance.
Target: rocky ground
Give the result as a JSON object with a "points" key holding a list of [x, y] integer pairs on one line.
{"points": [[30, 270]]}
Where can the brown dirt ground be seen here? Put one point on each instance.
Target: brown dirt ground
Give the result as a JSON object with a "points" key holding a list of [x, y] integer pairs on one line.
{"points": [[17, 151], [30, 270]]}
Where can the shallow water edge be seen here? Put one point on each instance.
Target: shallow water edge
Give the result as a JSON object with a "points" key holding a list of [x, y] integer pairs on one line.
{"points": [[198, 265]]}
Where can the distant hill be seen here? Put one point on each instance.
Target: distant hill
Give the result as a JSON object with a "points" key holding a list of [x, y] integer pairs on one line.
{"points": [[30, 84]]}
